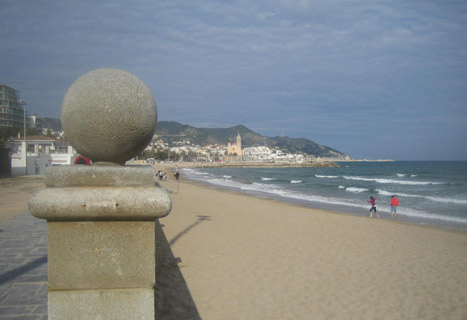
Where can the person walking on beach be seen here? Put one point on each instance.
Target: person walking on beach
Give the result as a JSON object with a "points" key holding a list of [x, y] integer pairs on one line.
{"points": [[394, 205], [373, 206]]}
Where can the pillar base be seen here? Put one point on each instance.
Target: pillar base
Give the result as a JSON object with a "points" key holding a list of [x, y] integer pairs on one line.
{"points": [[114, 304]]}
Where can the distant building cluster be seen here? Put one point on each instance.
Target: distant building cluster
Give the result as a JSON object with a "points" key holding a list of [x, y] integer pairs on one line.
{"points": [[185, 150], [48, 147]]}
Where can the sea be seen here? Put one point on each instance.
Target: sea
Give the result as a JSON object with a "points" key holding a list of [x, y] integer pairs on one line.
{"points": [[432, 193]]}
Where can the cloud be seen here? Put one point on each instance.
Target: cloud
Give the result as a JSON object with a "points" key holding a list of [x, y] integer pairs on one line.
{"points": [[311, 68]]}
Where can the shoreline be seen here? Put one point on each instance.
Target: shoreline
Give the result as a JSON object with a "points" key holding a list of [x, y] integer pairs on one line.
{"points": [[384, 216], [246, 164], [245, 257], [340, 208]]}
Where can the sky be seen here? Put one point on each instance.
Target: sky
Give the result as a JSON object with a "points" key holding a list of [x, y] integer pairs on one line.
{"points": [[373, 79]]}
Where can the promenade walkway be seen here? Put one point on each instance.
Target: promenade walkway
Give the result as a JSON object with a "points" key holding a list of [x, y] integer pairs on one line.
{"points": [[23, 268], [23, 260], [23, 274]]}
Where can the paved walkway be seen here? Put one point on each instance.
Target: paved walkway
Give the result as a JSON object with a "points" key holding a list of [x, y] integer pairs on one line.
{"points": [[23, 274], [23, 268]]}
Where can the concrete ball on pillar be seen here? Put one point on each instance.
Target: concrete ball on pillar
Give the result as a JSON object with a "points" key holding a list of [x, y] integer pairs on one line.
{"points": [[109, 116]]}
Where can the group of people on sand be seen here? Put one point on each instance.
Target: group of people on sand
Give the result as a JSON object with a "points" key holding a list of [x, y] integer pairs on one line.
{"points": [[163, 176], [394, 205]]}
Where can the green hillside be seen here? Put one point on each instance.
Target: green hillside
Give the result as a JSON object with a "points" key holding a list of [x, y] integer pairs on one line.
{"points": [[172, 132]]}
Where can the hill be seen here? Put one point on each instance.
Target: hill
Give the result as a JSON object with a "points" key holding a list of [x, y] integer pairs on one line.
{"points": [[51, 123], [172, 132]]}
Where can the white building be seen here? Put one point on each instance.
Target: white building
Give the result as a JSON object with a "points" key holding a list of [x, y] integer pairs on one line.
{"points": [[261, 153], [36, 153]]}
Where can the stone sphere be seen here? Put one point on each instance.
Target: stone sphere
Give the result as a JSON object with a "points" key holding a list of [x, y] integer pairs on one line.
{"points": [[109, 115]]}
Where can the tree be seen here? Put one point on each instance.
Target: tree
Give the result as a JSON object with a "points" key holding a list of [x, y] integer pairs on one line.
{"points": [[12, 132]]}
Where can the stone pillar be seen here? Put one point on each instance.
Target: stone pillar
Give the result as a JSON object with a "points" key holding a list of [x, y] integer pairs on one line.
{"points": [[101, 218]]}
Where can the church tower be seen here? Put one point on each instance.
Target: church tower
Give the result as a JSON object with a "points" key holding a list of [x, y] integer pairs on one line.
{"points": [[239, 142], [235, 148]]}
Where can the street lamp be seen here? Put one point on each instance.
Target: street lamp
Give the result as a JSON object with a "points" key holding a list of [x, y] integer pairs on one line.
{"points": [[25, 142]]}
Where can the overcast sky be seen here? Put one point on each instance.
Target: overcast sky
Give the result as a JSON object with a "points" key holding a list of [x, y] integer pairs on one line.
{"points": [[373, 79]]}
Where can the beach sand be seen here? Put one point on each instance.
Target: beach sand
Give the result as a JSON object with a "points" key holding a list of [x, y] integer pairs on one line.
{"points": [[250, 258], [224, 255], [15, 193]]}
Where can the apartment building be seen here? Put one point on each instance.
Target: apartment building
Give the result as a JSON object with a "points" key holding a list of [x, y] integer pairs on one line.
{"points": [[12, 108]]}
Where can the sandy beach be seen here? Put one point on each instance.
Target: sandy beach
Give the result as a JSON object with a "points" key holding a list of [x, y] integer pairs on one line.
{"points": [[249, 258], [239, 257], [15, 194]]}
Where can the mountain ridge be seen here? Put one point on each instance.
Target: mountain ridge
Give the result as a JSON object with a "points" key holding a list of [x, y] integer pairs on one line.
{"points": [[173, 131]]}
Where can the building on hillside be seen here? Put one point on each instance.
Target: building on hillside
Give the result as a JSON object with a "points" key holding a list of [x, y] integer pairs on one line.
{"points": [[12, 108], [235, 149], [36, 122], [261, 153]]}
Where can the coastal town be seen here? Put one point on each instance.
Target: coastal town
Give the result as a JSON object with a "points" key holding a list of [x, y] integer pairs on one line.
{"points": [[51, 149], [233, 152], [35, 145]]}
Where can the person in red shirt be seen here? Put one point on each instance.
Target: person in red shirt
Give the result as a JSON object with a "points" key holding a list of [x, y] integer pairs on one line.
{"points": [[373, 206], [394, 205]]}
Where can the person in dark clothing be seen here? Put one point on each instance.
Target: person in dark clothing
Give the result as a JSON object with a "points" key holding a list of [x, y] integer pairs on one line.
{"points": [[373, 206]]}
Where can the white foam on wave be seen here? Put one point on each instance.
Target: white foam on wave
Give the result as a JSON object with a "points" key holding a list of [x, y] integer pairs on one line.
{"points": [[188, 171], [275, 190], [267, 179], [327, 177], [227, 177], [401, 174], [341, 187], [357, 190], [296, 181], [392, 181], [225, 183], [432, 216], [434, 199]]}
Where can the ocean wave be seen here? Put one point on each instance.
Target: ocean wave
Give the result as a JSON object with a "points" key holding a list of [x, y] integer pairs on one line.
{"points": [[341, 187], [267, 179], [434, 199], [188, 171], [432, 216], [227, 177], [328, 177], [401, 174], [276, 190], [357, 190], [392, 181], [288, 194], [296, 181], [273, 190]]}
